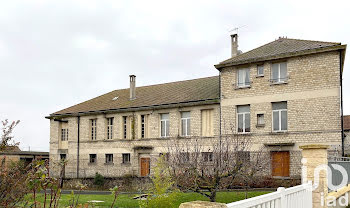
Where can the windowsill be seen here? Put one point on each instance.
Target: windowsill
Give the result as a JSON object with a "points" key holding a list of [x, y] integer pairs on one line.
{"points": [[281, 177], [257, 76], [109, 140], [242, 87], [94, 163], [278, 83], [93, 140], [108, 163], [126, 164], [243, 133], [279, 132], [260, 125]]}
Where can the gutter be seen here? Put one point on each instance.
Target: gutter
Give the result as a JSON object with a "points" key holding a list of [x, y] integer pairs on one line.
{"points": [[140, 108]]}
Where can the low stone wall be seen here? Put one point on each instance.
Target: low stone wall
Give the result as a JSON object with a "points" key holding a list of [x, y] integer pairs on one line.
{"points": [[125, 184]]}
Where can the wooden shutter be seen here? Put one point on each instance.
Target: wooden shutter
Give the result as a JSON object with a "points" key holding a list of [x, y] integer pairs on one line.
{"points": [[207, 123]]}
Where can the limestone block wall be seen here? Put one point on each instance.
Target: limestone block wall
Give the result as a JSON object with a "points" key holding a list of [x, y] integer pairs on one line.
{"points": [[118, 145]]}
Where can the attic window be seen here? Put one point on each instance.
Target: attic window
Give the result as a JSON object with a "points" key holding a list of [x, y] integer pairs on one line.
{"points": [[115, 98]]}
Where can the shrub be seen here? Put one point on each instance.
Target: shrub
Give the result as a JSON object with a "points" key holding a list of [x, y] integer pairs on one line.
{"points": [[162, 194], [99, 180]]}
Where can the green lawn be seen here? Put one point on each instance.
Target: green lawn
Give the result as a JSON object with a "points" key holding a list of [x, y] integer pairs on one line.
{"points": [[125, 200]]}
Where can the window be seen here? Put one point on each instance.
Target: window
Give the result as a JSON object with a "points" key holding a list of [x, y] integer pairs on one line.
{"points": [[279, 116], [243, 117], [279, 72], [260, 70], [164, 124], [185, 123], [126, 158], [110, 128], [260, 120], [243, 157], [125, 120], [63, 156], [64, 134], [109, 158], [243, 78], [93, 158], [207, 156], [143, 126], [184, 157], [93, 129], [207, 123]]}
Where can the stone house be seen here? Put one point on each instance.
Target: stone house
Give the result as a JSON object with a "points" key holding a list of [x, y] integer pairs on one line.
{"points": [[14, 154], [280, 95], [346, 126]]}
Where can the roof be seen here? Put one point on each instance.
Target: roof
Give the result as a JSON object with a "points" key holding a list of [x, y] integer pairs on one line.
{"points": [[346, 122], [198, 91], [31, 153], [280, 48]]}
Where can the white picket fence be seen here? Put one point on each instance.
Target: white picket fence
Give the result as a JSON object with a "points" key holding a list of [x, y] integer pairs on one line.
{"points": [[294, 197]]}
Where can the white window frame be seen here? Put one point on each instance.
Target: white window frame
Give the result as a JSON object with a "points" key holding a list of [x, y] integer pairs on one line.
{"points": [[110, 122], [106, 159], [257, 70], [166, 123], [129, 158], [280, 120], [143, 126], [64, 134], [263, 119], [187, 121], [244, 84], [125, 127], [93, 129], [244, 114], [278, 80]]}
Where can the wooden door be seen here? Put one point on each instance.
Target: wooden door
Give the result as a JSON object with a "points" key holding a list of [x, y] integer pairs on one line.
{"points": [[280, 163], [145, 166]]}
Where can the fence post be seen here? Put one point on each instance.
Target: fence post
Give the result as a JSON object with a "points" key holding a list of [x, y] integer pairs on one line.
{"points": [[281, 191], [315, 156]]}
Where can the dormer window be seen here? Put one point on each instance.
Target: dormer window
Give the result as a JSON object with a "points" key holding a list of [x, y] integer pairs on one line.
{"points": [[243, 79]]}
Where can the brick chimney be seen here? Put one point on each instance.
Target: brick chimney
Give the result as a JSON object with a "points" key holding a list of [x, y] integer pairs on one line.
{"points": [[234, 45], [132, 87]]}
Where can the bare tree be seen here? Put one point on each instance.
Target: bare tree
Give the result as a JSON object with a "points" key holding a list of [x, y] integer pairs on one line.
{"points": [[6, 134], [206, 165]]}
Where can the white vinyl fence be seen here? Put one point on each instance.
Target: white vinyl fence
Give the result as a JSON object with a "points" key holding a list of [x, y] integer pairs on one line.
{"points": [[294, 197]]}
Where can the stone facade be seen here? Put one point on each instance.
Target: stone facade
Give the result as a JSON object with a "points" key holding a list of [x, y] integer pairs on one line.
{"points": [[149, 147], [312, 93]]}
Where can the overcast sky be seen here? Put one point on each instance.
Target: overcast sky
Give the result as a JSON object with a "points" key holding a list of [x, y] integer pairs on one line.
{"points": [[54, 54]]}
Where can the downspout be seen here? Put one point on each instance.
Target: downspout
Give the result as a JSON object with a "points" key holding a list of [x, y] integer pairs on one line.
{"points": [[220, 104], [341, 104], [78, 147]]}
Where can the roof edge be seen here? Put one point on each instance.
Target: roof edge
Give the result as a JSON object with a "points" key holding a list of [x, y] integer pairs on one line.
{"points": [[139, 108], [283, 55]]}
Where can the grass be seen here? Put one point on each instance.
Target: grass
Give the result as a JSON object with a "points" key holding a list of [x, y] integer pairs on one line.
{"points": [[127, 201]]}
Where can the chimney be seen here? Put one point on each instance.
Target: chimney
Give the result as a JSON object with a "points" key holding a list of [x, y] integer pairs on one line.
{"points": [[132, 87], [234, 45]]}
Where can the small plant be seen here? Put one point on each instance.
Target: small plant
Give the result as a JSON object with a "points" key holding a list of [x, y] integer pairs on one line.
{"points": [[99, 180], [162, 194], [115, 192]]}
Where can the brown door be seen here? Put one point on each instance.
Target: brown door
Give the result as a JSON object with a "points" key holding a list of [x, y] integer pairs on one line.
{"points": [[145, 166], [280, 164]]}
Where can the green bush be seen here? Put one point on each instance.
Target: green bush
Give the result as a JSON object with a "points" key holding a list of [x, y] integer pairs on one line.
{"points": [[162, 194], [99, 180]]}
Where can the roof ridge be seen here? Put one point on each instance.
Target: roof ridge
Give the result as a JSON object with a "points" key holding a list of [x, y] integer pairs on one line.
{"points": [[338, 43]]}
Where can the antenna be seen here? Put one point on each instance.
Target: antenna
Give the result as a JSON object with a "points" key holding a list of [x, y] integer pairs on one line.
{"points": [[236, 29]]}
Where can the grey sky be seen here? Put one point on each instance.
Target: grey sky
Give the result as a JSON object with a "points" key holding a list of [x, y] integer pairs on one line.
{"points": [[54, 54]]}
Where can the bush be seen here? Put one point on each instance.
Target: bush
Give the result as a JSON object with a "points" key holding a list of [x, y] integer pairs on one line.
{"points": [[99, 180], [162, 194]]}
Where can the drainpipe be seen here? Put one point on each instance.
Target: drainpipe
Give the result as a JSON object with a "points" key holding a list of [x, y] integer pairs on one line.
{"points": [[220, 97], [341, 104], [78, 148]]}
